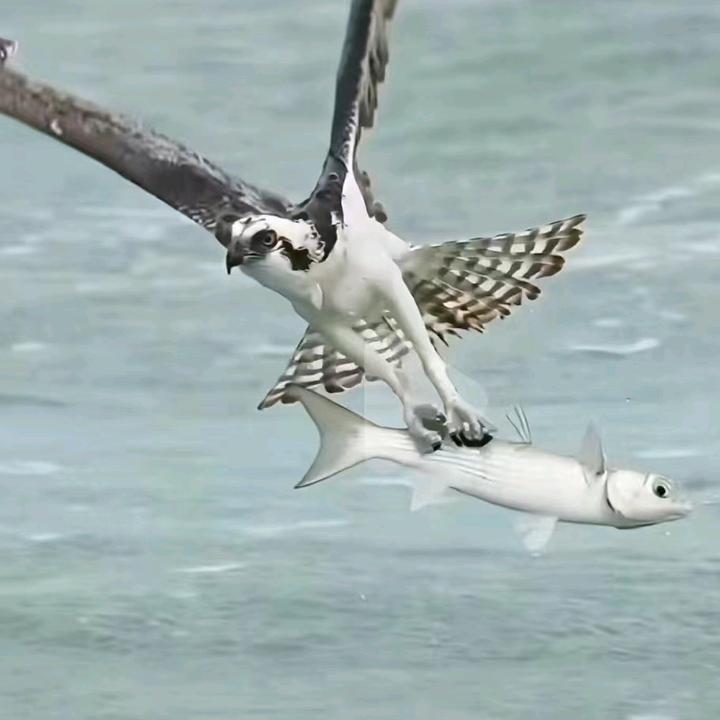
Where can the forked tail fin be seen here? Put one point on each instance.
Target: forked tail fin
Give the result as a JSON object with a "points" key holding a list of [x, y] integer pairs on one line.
{"points": [[347, 439]]}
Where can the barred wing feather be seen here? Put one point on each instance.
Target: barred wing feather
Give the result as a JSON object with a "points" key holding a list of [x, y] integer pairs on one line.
{"points": [[465, 285], [457, 286], [316, 364]]}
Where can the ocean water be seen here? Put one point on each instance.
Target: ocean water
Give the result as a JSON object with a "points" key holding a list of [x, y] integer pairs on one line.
{"points": [[155, 563]]}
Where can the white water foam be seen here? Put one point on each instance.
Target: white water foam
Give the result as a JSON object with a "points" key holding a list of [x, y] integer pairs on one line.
{"points": [[621, 350], [386, 481], [28, 346], [271, 350], [44, 537], [661, 453], [29, 467], [211, 569], [655, 201], [17, 250], [608, 322], [269, 531]]}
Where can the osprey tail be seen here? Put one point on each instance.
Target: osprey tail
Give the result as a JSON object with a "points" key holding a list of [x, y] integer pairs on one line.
{"points": [[347, 439]]}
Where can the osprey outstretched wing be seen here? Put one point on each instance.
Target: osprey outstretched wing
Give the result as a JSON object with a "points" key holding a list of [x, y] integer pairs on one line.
{"points": [[363, 64], [176, 175], [363, 61], [466, 285]]}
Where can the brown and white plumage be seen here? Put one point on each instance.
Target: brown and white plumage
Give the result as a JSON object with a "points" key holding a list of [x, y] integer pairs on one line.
{"points": [[163, 167], [361, 71], [368, 296], [466, 285], [458, 286], [317, 364]]}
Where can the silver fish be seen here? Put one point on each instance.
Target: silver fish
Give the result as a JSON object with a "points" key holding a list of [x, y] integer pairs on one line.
{"points": [[514, 475]]}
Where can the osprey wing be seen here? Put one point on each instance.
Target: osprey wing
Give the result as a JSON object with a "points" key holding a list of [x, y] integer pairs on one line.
{"points": [[465, 285], [362, 67], [316, 364], [176, 175]]}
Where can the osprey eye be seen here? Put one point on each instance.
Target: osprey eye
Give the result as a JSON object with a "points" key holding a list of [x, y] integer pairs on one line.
{"points": [[268, 238], [661, 489]]}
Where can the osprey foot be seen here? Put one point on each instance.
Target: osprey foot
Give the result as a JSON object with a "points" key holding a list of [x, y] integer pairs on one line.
{"points": [[428, 426], [466, 425]]}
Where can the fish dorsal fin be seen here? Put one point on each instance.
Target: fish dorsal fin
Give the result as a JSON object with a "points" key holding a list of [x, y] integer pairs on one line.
{"points": [[592, 456], [429, 491], [520, 425], [535, 531]]}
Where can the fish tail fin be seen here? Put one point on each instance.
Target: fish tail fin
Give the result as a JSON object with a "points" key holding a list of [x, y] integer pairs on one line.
{"points": [[346, 438]]}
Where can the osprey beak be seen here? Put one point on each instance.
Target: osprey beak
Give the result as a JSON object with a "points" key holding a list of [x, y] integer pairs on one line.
{"points": [[235, 256]]}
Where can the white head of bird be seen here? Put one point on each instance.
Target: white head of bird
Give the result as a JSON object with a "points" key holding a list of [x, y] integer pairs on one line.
{"points": [[256, 242]]}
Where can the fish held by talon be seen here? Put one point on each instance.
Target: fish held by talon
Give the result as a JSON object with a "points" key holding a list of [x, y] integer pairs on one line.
{"points": [[511, 474]]}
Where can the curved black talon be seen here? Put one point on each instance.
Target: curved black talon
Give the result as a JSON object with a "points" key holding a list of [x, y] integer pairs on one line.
{"points": [[432, 419], [461, 440]]}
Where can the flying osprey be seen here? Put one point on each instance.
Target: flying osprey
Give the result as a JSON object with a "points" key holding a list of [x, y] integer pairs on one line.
{"points": [[368, 296]]}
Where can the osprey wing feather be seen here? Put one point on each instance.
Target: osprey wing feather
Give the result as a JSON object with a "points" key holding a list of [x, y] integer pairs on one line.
{"points": [[173, 173], [465, 285], [362, 67], [316, 364]]}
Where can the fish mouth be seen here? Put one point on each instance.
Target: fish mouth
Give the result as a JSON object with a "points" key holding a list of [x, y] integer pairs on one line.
{"points": [[679, 511], [682, 510]]}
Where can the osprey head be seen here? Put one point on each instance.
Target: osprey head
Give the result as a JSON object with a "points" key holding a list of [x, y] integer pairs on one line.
{"points": [[252, 240]]}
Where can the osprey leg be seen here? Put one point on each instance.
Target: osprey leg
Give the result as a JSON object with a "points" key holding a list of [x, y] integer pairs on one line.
{"points": [[461, 416], [352, 345]]}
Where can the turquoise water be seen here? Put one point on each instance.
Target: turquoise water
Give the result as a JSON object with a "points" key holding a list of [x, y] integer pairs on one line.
{"points": [[156, 564]]}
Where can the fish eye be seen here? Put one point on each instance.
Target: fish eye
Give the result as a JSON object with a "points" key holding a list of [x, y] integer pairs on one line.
{"points": [[268, 238], [661, 488]]}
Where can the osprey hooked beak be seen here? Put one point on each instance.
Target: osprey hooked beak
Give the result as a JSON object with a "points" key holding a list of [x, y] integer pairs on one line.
{"points": [[235, 255], [224, 227]]}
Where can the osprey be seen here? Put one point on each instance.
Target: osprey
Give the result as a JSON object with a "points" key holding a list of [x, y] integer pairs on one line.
{"points": [[368, 296]]}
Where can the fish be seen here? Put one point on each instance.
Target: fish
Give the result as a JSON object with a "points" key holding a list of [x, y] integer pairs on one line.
{"points": [[547, 488]]}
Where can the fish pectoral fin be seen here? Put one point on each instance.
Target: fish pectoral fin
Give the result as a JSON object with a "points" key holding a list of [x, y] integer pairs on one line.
{"points": [[535, 531], [429, 491]]}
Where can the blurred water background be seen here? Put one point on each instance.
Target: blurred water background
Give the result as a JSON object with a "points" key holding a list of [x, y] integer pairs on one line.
{"points": [[155, 563]]}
